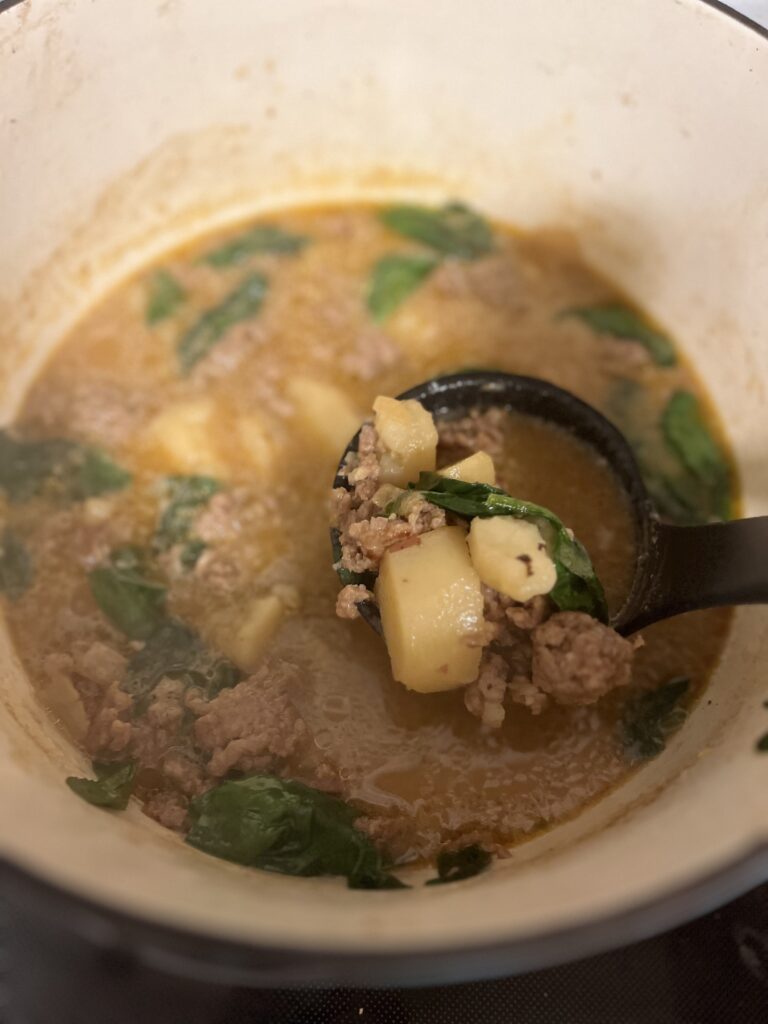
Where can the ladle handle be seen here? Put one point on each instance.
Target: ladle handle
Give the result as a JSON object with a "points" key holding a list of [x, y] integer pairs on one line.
{"points": [[693, 567]]}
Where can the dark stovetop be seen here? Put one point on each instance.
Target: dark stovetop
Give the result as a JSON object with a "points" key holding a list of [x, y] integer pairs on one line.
{"points": [[712, 971]]}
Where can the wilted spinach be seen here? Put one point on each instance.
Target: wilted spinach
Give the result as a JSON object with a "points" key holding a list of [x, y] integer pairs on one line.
{"points": [[186, 495], [111, 788], [650, 717], [621, 321], [577, 587], [241, 304], [690, 438], [455, 865], [262, 238], [129, 598], [174, 651], [394, 278], [15, 565], [284, 826], [164, 296], [450, 230], [66, 468]]}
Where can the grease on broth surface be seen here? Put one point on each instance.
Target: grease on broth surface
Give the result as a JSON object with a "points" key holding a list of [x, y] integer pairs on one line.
{"points": [[266, 410]]}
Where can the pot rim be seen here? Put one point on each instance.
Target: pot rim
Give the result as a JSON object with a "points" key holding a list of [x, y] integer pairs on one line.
{"points": [[217, 959]]}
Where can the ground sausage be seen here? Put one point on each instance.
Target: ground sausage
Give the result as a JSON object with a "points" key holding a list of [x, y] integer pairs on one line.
{"points": [[577, 659]]}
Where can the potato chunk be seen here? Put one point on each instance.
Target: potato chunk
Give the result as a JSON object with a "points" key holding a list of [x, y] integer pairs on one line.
{"points": [[408, 436], [510, 555], [477, 468], [325, 413], [430, 599], [181, 439], [243, 635]]}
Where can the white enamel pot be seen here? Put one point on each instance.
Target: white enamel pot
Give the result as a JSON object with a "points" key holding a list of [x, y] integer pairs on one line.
{"points": [[641, 127]]}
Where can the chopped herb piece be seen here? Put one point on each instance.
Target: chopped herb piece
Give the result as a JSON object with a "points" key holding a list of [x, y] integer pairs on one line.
{"points": [[455, 865], [97, 474], [164, 296], [451, 230], [131, 601], [111, 787], [263, 238], [241, 304], [577, 587], [394, 278], [650, 717], [285, 826], [67, 468], [621, 321], [174, 651], [187, 494], [15, 566], [689, 437]]}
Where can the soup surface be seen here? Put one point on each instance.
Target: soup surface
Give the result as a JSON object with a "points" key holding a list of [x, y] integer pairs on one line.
{"points": [[168, 570]]}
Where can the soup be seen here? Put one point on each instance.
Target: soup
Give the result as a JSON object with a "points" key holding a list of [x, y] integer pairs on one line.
{"points": [[166, 561]]}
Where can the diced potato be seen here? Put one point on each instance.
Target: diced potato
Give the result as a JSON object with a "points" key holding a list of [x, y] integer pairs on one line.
{"points": [[510, 555], [256, 446], [243, 635], [325, 413], [408, 435], [181, 439], [64, 701], [430, 600], [477, 468]]}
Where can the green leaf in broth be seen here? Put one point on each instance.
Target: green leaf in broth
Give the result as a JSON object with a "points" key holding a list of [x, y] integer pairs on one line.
{"points": [[62, 467], [190, 553], [650, 717], [15, 565], [241, 304], [690, 438], [133, 603], [621, 321], [281, 825], [577, 587], [394, 278], [262, 238], [111, 788], [456, 865], [186, 496], [450, 230], [164, 296], [175, 651]]}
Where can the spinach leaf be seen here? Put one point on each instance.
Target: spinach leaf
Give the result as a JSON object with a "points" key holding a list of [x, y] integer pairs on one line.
{"points": [[621, 321], [164, 296], [454, 865], [577, 587], [73, 470], [650, 717], [130, 600], [394, 278], [111, 787], [187, 494], [262, 238], [15, 566], [97, 474], [173, 650], [241, 304], [285, 826], [689, 437], [451, 230]]}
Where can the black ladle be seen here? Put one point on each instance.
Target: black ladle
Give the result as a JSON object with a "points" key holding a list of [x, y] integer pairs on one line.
{"points": [[678, 568]]}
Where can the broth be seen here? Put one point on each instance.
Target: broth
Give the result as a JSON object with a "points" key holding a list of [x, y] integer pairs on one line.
{"points": [[423, 771]]}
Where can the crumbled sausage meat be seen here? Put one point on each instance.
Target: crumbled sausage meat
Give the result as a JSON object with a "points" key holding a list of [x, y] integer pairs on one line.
{"points": [[349, 598], [577, 659], [250, 726], [478, 431]]}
